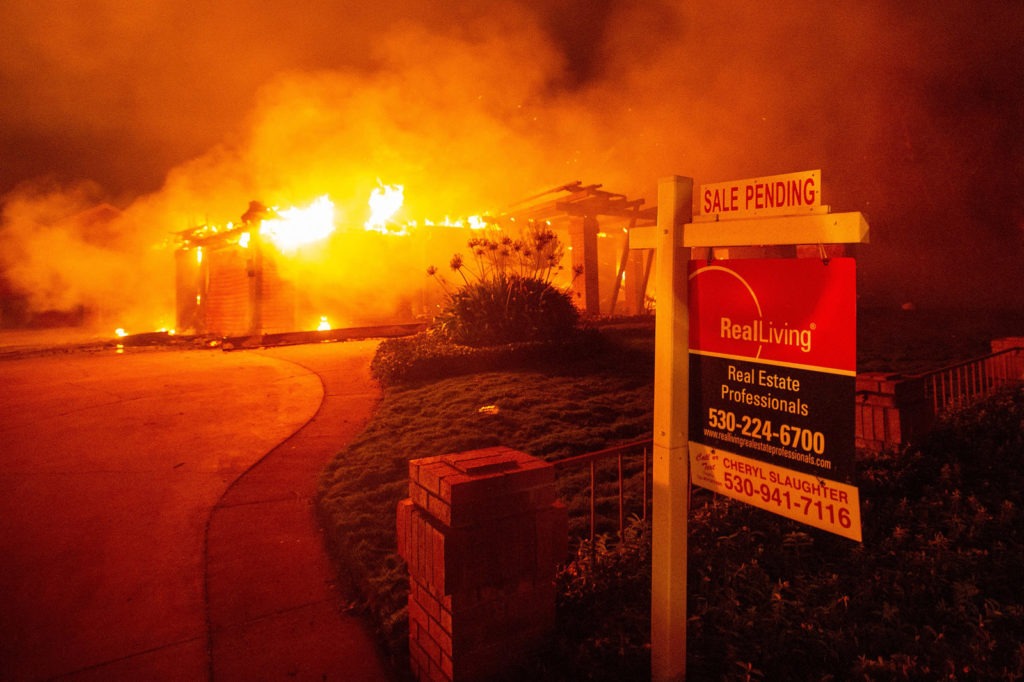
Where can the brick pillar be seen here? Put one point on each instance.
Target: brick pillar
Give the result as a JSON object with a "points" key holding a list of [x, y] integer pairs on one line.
{"points": [[583, 240], [891, 411], [482, 534], [1015, 362]]}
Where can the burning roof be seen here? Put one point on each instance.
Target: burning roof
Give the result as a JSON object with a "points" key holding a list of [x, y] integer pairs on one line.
{"points": [[288, 229]]}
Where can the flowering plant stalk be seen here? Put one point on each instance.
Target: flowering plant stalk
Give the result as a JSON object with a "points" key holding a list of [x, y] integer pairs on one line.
{"points": [[537, 254]]}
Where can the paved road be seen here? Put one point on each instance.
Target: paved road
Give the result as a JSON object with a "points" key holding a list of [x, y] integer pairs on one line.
{"points": [[129, 490]]}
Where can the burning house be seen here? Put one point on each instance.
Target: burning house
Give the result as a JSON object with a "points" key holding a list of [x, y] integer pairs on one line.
{"points": [[255, 277], [287, 270]]}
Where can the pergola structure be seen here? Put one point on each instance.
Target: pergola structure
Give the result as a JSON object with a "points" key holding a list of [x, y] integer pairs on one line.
{"points": [[578, 209]]}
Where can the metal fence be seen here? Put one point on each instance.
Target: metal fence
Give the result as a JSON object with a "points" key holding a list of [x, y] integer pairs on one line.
{"points": [[592, 462], [959, 385]]}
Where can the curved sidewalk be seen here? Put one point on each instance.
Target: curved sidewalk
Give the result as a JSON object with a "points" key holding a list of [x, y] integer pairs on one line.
{"points": [[273, 607]]}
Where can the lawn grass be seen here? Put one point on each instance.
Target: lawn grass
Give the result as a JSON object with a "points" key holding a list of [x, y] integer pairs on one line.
{"points": [[930, 594], [550, 412]]}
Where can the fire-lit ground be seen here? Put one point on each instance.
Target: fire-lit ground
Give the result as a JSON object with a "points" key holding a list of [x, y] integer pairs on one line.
{"points": [[120, 477], [19, 342]]}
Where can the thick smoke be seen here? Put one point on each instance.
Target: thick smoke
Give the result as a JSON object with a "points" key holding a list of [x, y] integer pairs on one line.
{"points": [[71, 253], [184, 115]]}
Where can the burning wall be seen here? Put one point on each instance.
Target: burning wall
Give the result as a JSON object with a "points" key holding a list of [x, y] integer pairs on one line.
{"points": [[224, 289]]}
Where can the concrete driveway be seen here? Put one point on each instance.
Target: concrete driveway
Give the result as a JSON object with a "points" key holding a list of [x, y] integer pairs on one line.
{"points": [[111, 466]]}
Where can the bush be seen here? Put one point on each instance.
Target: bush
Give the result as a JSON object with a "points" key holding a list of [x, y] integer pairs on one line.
{"points": [[506, 314], [429, 356], [419, 357], [507, 293], [507, 309], [604, 609]]}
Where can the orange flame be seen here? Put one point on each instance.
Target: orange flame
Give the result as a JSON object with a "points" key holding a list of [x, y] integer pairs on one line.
{"points": [[385, 201], [297, 227]]}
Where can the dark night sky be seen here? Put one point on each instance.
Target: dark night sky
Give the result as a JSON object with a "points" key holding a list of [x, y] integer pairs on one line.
{"points": [[176, 111]]}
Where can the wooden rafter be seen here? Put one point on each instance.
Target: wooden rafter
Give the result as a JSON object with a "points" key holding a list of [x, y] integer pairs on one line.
{"points": [[582, 200]]}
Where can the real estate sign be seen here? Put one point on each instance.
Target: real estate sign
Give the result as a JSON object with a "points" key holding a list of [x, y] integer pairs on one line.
{"points": [[772, 361]]}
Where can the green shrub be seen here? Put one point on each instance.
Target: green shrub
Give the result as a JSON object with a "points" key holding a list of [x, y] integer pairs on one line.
{"points": [[429, 356], [604, 609], [419, 357], [507, 293], [507, 309], [506, 314]]}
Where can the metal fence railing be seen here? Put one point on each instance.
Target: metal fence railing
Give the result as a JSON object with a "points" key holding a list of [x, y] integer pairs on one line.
{"points": [[957, 386], [593, 461]]}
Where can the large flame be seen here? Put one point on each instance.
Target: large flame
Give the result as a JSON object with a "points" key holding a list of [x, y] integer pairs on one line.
{"points": [[385, 201], [296, 227]]}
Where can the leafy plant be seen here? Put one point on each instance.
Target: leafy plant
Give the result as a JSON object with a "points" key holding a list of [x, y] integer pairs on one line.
{"points": [[430, 356], [507, 293], [604, 604], [537, 254], [507, 309]]}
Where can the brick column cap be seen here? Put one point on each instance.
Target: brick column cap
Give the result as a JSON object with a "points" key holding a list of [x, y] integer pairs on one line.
{"points": [[486, 483]]}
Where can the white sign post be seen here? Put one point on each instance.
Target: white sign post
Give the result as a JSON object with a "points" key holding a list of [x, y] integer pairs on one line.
{"points": [[670, 501]]}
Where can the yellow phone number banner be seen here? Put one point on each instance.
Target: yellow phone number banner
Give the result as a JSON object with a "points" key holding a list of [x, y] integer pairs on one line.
{"points": [[828, 505]]}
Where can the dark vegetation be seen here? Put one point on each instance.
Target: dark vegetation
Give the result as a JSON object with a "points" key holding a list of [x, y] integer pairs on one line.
{"points": [[929, 594], [506, 313], [933, 592]]}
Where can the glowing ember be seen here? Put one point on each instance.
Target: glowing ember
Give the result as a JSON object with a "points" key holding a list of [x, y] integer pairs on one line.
{"points": [[324, 325], [384, 204], [296, 227]]}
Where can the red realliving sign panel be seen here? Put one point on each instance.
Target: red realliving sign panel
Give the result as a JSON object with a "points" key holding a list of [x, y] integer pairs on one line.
{"points": [[772, 377]]}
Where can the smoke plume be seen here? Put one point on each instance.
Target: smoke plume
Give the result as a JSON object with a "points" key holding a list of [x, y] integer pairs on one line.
{"points": [[179, 116]]}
